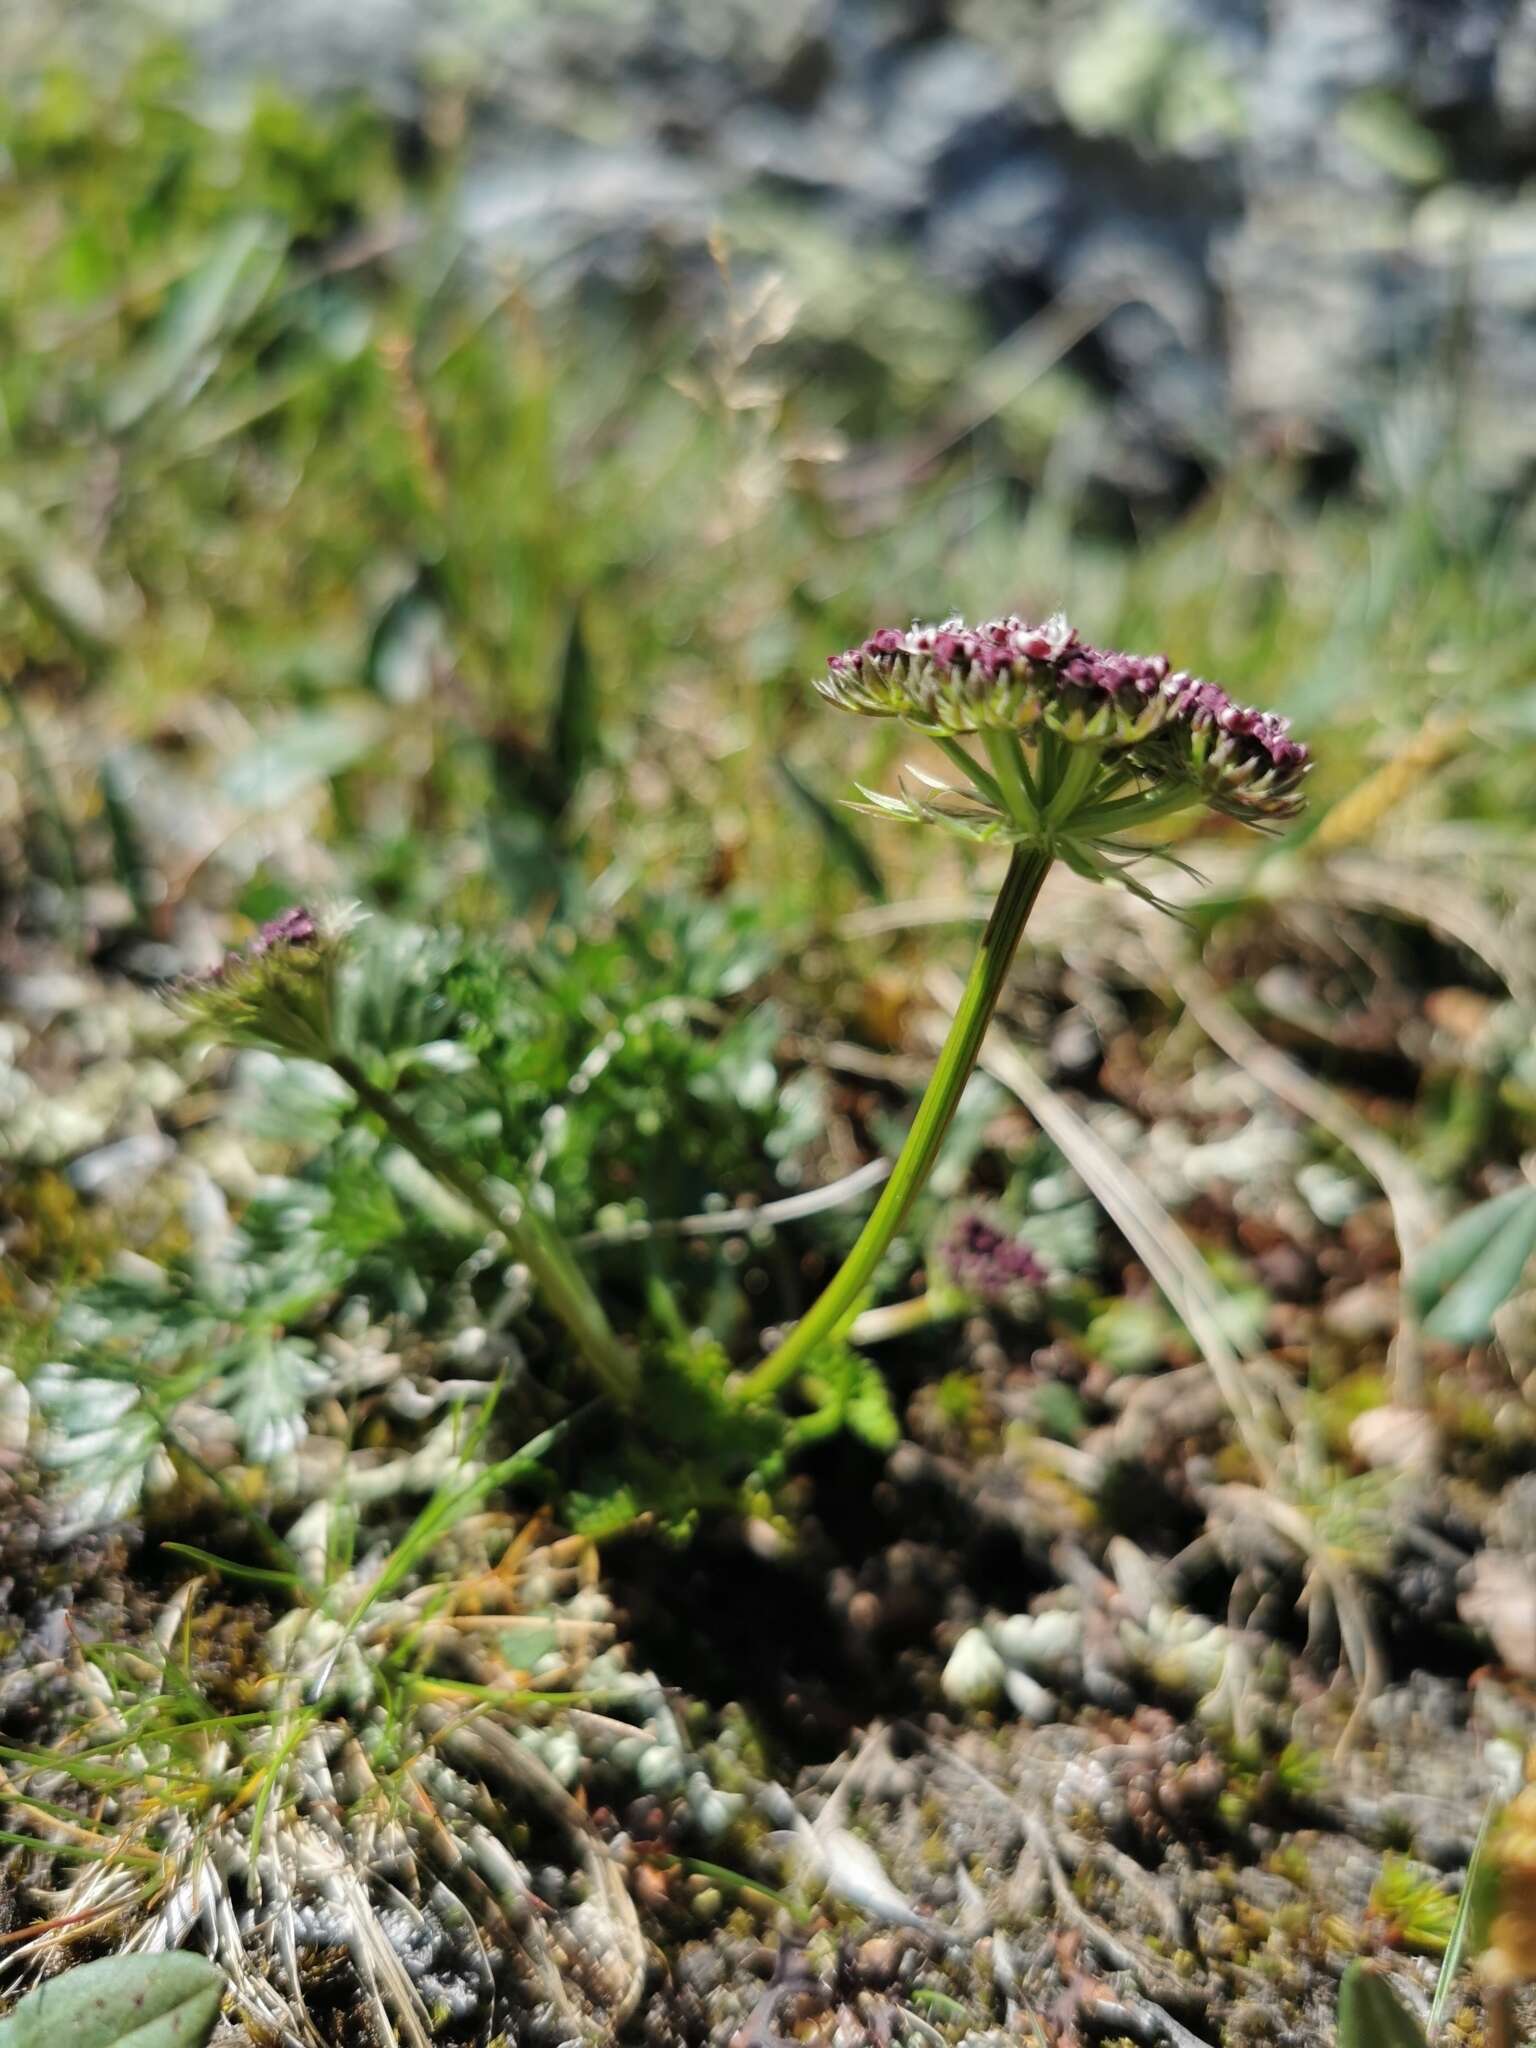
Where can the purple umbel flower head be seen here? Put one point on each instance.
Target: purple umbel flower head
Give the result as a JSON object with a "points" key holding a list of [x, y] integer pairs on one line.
{"points": [[1167, 727], [1244, 761], [292, 927], [1005, 675], [988, 1260]]}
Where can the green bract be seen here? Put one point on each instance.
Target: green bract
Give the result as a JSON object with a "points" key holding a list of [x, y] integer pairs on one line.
{"points": [[278, 993]]}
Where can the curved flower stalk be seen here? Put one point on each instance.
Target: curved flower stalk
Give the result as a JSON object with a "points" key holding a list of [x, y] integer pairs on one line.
{"points": [[1081, 745], [279, 994]]}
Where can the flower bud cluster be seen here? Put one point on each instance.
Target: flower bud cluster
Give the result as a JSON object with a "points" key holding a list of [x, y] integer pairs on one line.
{"points": [[276, 991]]}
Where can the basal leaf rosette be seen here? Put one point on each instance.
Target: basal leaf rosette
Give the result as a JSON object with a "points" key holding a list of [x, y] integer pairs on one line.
{"points": [[277, 991]]}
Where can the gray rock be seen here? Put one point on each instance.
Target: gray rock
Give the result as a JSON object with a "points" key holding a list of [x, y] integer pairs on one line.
{"points": [[1295, 267]]}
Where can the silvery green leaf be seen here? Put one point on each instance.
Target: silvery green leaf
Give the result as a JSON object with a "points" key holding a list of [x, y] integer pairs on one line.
{"points": [[1066, 1236], [152, 2001], [270, 1382], [308, 748], [288, 1099], [101, 1442]]}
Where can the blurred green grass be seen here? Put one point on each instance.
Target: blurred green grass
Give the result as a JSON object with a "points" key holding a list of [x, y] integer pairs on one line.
{"points": [[336, 553]]}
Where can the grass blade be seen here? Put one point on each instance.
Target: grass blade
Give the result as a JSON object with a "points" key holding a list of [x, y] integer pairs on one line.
{"points": [[845, 849], [1472, 1914]]}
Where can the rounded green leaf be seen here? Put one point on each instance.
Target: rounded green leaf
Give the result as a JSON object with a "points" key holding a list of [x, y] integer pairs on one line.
{"points": [[160, 2001], [1371, 2015]]}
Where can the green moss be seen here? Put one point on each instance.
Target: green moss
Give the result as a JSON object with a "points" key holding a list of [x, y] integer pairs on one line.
{"points": [[1414, 1909]]}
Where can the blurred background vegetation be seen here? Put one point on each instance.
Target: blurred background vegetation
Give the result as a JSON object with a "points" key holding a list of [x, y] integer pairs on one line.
{"points": [[373, 469]]}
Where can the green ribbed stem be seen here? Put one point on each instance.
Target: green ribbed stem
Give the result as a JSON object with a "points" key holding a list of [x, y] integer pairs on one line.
{"points": [[562, 1285], [1020, 795], [840, 1300]]}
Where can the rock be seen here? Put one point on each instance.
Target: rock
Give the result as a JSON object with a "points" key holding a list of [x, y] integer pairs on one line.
{"points": [[1514, 1518], [1028, 1698], [1004, 222], [1502, 1602], [1363, 1312], [1045, 1645], [974, 1675], [1396, 1438], [1187, 158]]}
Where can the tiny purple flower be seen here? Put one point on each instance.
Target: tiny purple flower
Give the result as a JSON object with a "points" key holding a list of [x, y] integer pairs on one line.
{"points": [[292, 927], [990, 1262], [1004, 675], [1244, 761]]}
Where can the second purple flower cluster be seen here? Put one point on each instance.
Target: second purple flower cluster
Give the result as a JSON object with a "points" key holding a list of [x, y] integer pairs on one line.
{"points": [[986, 1259]]}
